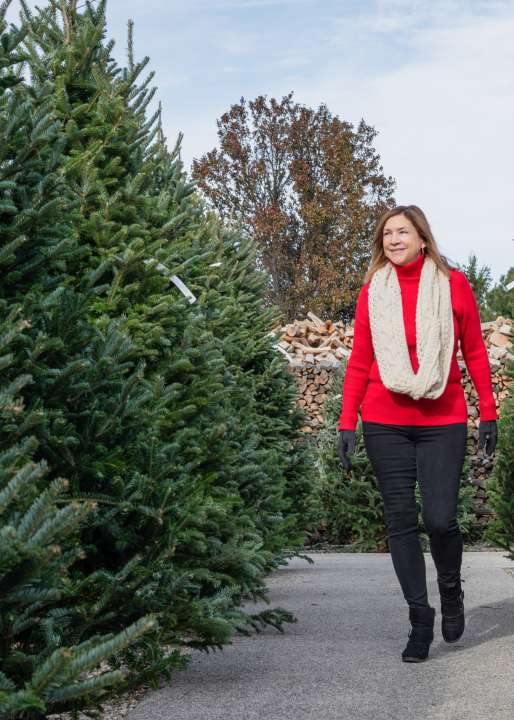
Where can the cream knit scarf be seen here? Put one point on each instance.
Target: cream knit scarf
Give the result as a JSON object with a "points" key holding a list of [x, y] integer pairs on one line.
{"points": [[434, 331]]}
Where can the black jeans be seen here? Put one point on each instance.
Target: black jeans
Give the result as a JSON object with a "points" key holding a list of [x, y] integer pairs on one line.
{"points": [[434, 455]]}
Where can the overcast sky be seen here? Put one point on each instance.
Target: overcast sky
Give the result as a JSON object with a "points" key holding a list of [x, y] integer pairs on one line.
{"points": [[435, 78]]}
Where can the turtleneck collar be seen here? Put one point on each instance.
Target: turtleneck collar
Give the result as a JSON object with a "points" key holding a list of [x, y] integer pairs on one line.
{"points": [[411, 269]]}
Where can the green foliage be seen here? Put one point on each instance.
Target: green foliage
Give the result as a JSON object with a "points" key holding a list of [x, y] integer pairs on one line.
{"points": [[41, 670], [480, 279], [176, 419], [500, 484], [499, 298], [353, 508], [492, 301]]}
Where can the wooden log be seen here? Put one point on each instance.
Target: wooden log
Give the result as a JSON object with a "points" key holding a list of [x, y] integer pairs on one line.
{"points": [[316, 320], [328, 340], [308, 348]]}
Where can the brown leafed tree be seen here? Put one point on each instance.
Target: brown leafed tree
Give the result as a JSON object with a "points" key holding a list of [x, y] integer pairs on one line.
{"points": [[309, 189]]}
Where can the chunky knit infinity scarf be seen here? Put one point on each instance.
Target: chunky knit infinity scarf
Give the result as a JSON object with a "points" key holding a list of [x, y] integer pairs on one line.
{"points": [[434, 331]]}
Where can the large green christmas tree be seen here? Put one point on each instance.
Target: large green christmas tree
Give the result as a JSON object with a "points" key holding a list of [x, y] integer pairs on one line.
{"points": [[177, 418], [44, 663]]}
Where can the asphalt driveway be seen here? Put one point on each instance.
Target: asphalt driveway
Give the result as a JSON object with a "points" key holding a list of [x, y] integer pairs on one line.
{"points": [[342, 659]]}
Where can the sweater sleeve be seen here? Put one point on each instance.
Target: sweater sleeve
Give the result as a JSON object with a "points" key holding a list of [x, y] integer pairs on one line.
{"points": [[358, 364], [474, 351]]}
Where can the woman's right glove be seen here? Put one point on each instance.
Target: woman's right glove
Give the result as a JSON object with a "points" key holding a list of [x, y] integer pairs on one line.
{"points": [[487, 432], [345, 444]]}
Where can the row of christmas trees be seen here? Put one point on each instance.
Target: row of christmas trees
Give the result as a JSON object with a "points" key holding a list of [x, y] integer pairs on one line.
{"points": [[151, 464]]}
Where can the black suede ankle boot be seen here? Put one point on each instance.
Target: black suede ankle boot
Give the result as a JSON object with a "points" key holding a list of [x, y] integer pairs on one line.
{"points": [[452, 610], [421, 634]]}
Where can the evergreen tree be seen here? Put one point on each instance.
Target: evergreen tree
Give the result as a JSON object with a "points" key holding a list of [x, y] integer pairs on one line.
{"points": [[84, 383], [499, 298], [479, 278], [276, 475], [41, 671], [162, 461], [500, 484], [352, 507]]}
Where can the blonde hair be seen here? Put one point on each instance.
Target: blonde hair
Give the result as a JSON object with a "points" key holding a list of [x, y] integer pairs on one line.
{"points": [[420, 222]]}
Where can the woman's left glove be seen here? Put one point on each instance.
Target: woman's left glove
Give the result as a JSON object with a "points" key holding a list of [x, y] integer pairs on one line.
{"points": [[487, 435], [345, 444]]}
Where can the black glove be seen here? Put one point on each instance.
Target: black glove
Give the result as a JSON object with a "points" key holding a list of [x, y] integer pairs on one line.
{"points": [[487, 432], [345, 444]]}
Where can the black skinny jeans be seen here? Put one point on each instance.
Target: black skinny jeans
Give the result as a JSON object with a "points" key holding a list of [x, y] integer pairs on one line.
{"points": [[434, 455]]}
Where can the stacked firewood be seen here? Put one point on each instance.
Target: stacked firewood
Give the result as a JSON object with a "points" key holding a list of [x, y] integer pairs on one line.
{"points": [[314, 348], [316, 342]]}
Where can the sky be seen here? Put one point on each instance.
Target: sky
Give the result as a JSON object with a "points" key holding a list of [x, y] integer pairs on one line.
{"points": [[434, 78]]}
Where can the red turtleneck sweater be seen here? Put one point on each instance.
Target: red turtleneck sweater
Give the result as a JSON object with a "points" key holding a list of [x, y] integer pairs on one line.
{"points": [[363, 388]]}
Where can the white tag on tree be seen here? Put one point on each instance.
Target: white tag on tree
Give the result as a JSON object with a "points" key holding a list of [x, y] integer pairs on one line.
{"points": [[174, 279], [183, 288]]}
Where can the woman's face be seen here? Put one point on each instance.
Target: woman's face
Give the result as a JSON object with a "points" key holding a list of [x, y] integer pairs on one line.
{"points": [[401, 240]]}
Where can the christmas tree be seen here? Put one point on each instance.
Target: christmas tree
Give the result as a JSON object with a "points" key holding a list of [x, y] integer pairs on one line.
{"points": [[352, 505], [145, 404], [41, 669], [500, 484]]}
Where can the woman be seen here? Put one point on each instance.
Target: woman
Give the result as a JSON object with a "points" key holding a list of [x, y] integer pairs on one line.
{"points": [[403, 373]]}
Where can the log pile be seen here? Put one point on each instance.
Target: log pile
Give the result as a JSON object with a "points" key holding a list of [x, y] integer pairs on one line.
{"points": [[315, 342]]}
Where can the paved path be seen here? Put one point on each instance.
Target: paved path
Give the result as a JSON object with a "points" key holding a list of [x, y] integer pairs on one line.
{"points": [[342, 659]]}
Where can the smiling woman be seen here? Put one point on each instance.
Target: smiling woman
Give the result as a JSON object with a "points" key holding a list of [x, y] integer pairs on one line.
{"points": [[411, 313], [367, 381], [402, 242]]}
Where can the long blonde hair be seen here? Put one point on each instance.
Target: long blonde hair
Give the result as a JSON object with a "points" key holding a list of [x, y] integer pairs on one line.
{"points": [[420, 222]]}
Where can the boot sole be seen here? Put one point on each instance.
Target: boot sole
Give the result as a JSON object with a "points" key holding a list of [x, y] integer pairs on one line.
{"points": [[455, 640], [423, 633]]}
